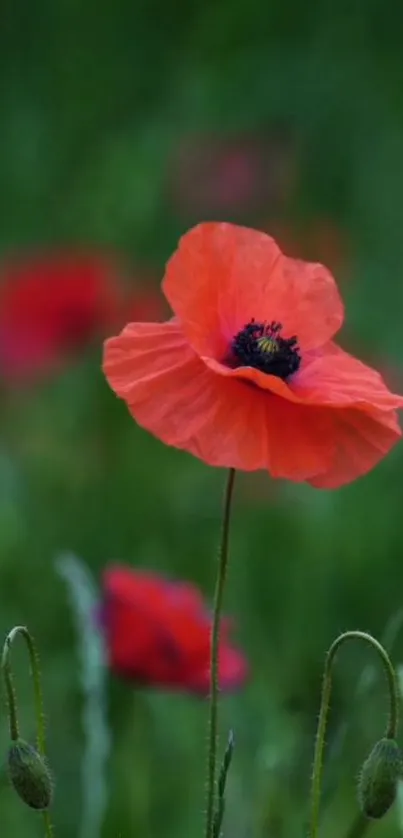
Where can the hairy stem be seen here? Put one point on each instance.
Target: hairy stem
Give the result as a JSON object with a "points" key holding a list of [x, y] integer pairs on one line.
{"points": [[12, 698], [358, 827], [48, 825], [215, 640], [392, 722]]}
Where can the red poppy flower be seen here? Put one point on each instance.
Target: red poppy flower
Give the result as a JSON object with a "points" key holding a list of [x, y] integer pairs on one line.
{"points": [[52, 304], [56, 303], [158, 633], [246, 375], [209, 173]]}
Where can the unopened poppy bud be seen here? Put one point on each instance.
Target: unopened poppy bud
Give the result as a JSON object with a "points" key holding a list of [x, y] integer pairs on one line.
{"points": [[378, 781], [29, 775]]}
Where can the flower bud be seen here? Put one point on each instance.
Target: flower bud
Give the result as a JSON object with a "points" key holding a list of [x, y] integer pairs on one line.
{"points": [[29, 775], [378, 781]]}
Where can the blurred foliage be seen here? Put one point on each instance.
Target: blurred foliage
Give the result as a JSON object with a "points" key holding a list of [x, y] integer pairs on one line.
{"points": [[95, 103]]}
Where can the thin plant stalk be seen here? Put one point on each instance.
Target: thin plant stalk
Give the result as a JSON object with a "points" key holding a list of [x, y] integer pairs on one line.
{"points": [[38, 699], [392, 722], [96, 735], [214, 659]]}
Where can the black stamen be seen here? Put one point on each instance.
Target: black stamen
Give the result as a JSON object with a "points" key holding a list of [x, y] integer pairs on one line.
{"points": [[260, 345]]}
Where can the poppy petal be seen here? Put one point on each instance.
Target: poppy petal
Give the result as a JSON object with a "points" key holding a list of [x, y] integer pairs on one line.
{"points": [[227, 422], [223, 275], [261, 379], [361, 441], [335, 378], [329, 377], [52, 304], [162, 642], [224, 422], [232, 671]]}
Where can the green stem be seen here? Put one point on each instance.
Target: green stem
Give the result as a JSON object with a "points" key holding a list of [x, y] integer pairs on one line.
{"points": [[392, 722], [36, 680], [10, 691], [215, 640], [358, 827], [12, 698], [48, 824]]}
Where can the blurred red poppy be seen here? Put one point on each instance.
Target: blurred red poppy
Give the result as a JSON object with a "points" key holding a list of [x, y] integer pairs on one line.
{"points": [[246, 375], [55, 303], [211, 173], [157, 633], [51, 304]]}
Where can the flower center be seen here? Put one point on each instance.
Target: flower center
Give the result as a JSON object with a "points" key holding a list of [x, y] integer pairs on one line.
{"points": [[260, 345]]}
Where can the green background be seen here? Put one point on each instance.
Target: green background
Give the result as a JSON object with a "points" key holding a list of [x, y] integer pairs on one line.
{"points": [[96, 100]]}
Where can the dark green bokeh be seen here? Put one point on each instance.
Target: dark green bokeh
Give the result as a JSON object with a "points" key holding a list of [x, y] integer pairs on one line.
{"points": [[95, 101]]}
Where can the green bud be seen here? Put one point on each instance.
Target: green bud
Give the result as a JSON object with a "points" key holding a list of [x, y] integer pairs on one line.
{"points": [[29, 775], [378, 781]]}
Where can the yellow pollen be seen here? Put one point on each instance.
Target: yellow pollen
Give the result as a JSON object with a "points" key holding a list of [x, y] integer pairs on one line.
{"points": [[267, 344]]}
